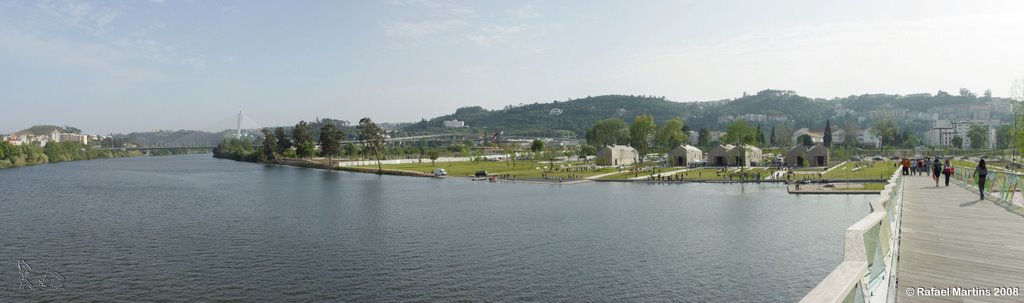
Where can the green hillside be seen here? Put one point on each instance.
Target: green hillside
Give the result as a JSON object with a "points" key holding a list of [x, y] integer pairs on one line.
{"points": [[579, 114], [46, 129], [575, 117]]}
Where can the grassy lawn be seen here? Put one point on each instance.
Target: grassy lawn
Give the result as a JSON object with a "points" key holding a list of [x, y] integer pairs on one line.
{"points": [[863, 186], [565, 174], [714, 174], [522, 170], [958, 163], [626, 174], [881, 170]]}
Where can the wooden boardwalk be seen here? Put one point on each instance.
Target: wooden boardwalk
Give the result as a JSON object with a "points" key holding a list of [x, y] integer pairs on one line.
{"points": [[951, 239]]}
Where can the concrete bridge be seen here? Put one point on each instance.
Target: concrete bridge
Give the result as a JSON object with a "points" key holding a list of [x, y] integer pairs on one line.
{"points": [[923, 243]]}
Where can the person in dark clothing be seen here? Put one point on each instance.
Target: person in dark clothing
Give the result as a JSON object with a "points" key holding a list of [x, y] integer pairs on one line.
{"points": [[947, 169], [936, 170], [981, 171]]}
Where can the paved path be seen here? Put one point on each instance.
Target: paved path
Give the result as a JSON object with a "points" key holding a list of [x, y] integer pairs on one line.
{"points": [[666, 174], [595, 177], [951, 239]]}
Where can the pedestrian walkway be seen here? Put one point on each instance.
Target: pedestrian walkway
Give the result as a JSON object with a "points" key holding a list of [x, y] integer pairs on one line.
{"points": [[664, 174], [595, 177], [953, 241]]}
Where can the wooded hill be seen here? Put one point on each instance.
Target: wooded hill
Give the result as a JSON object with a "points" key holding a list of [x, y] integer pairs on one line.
{"points": [[544, 119], [40, 130]]}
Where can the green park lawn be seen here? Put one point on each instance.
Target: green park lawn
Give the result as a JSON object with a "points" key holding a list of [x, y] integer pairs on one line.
{"points": [[523, 169], [714, 174], [700, 174], [958, 163], [880, 170]]}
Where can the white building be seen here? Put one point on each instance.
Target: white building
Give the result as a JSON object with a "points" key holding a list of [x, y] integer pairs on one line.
{"points": [[866, 138], [943, 131], [454, 123], [838, 135], [716, 136], [616, 155], [71, 137], [693, 138], [684, 155], [816, 137]]}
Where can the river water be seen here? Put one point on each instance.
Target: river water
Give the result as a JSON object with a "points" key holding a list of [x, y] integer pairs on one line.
{"points": [[193, 228]]}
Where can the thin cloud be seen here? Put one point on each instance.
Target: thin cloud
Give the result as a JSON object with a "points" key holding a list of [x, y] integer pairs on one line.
{"points": [[526, 11], [421, 28], [59, 53], [895, 56], [97, 22], [438, 7], [104, 19], [80, 14], [512, 37]]}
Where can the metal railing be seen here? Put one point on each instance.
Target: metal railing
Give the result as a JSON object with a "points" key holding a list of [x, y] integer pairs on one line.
{"points": [[1002, 186], [871, 254]]}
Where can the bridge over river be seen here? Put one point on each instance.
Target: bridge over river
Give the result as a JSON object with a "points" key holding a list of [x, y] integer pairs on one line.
{"points": [[444, 137], [924, 243]]}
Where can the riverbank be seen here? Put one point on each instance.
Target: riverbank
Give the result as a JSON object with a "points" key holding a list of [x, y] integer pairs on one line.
{"points": [[578, 175], [12, 156]]}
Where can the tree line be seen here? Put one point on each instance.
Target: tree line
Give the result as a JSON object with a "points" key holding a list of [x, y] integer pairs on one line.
{"points": [[645, 135], [301, 143], [31, 154]]}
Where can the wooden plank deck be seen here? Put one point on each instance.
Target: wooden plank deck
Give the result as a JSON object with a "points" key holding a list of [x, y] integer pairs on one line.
{"points": [[952, 239]]}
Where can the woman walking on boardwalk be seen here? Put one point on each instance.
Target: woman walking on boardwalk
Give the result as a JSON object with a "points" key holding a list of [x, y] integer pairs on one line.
{"points": [[947, 170], [981, 171], [936, 170]]}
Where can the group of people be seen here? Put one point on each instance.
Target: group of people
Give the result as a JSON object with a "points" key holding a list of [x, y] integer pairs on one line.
{"points": [[934, 168]]}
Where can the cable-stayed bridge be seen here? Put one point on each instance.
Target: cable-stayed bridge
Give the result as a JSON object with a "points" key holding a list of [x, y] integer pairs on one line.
{"points": [[237, 123]]}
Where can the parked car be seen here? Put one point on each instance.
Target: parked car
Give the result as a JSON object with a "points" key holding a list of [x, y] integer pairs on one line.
{"points": [[878, 158], [855, 158], [440, 172]]}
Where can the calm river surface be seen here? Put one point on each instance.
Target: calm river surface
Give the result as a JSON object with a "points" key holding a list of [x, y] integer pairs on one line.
{"points": [[193, 228]]}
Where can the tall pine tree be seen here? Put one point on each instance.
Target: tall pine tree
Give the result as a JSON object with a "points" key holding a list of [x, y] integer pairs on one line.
{"points": [[828, 134], [759, 140]]}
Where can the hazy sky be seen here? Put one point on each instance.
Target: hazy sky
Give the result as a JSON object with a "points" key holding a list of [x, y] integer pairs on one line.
{"points": [[118, 66]]}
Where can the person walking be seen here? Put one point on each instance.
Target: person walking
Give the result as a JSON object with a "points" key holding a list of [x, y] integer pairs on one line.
{"points": [[913, 167], [936, 170], [981, 171], [947, 169], [906, 166]]}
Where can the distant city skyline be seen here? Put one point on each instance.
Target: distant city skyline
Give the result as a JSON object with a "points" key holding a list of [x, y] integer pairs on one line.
{"points": [[123, 66]]}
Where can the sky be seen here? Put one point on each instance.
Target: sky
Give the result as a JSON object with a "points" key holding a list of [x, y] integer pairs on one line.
{"points": [[123, 66]]}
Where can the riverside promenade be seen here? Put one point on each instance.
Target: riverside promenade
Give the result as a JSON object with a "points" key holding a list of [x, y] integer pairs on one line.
{"points": [[952, 241]]}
